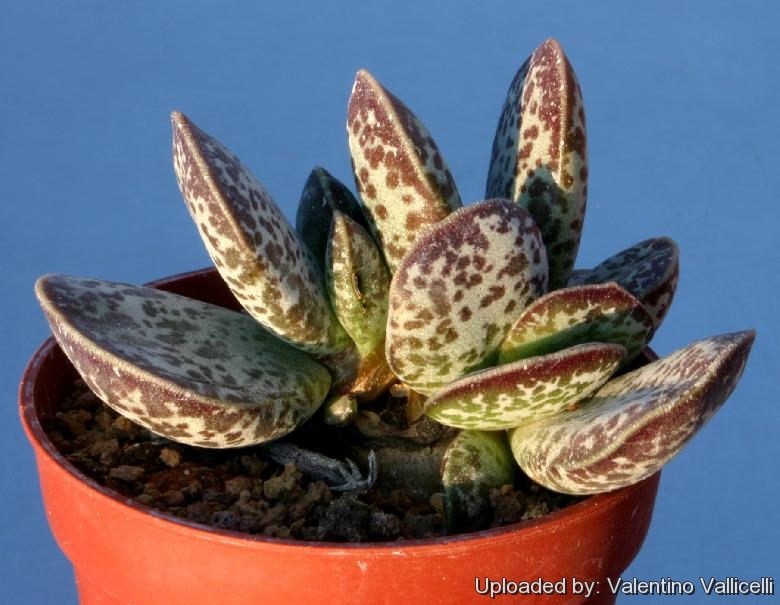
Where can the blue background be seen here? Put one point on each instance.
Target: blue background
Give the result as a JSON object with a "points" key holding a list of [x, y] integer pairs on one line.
{"points": [[682, 112]]}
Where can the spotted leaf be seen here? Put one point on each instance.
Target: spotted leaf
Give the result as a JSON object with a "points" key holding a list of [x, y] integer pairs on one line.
{"points": [[358, 282], [322, 195], [570, 316], [458, 290], [649, 270], [184, 369], [539, 154], [473, 464], [258, 253], [525, 391], [635, 423], [399, 172]]}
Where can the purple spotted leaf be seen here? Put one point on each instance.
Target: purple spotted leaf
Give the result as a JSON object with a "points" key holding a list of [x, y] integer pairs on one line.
{"points": [[358, 282], [539, 154], [475, 463], [635, 423], [184, 369], [399, 171], [322, 195], [649, 270], [571, 316], [458, 290], [259, 255], [525, 391]]}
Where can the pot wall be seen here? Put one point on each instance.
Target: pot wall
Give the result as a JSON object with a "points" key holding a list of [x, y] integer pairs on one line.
{"points": [[123, 552]]}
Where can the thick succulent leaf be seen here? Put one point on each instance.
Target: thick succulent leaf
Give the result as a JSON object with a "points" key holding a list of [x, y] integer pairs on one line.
{"points": [[635, 423], [258, 253], [358, 282], [474, 463], [539, 154], [571, 316], [186, 370], [649, 270], [525, 391], [459, 289], [400, 174], [322, 195]]}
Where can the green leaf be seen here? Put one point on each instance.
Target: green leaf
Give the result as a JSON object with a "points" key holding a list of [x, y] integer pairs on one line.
{"points": [[474, 463], [259, 255], [525, 391], [399, 172], [358, 282], [322, 195], [184, 369], [571, 316], [459, 289], [649, 270], [539, 154], [635, 423]]}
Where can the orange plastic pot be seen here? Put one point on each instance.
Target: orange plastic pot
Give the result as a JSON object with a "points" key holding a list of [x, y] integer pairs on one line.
{"points": [[123, 552]]}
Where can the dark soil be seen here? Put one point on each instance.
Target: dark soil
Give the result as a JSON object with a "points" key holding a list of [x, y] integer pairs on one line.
{"points": [[241, 490]]}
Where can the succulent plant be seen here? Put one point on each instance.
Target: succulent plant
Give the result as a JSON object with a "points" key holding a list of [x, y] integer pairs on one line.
{"points": [[473, 315]]}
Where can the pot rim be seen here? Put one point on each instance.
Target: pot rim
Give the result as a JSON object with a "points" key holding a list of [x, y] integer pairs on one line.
{"points": [[49, 352]]}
